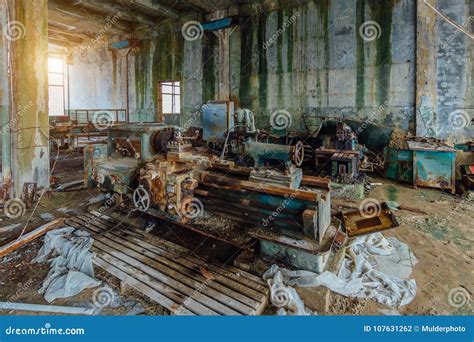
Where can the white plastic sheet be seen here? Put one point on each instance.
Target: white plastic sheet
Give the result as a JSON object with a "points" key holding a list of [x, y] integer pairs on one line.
{"points": [[285, 298], [360, 275], [71, 263]]}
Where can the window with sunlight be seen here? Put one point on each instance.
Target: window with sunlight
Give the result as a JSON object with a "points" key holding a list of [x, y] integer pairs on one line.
{"points": [[170, 97], [56, 86]]}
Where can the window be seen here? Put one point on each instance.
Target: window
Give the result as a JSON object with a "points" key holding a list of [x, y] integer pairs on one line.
{"points": [[56, 86], [169, 98]]}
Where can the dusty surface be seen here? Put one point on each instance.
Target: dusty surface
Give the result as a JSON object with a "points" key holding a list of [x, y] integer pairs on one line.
{"points": [[442, 241]]}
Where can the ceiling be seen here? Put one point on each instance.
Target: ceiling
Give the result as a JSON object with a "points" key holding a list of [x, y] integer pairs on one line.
{"points": [[74, 22]]}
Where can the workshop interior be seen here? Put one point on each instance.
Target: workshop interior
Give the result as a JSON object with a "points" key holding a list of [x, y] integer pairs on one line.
{"points": [[235, 157]]}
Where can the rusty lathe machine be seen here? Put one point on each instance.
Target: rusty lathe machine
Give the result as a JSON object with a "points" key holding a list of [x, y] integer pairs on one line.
{"points": [[292, 224], [164, 175]]}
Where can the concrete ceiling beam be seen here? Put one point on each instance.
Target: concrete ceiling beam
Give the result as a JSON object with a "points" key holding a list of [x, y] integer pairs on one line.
{"points": [[53, 28], [209, 6], [63, 37], [154, 8], [126, 12], [256, 7], [78, 15]]}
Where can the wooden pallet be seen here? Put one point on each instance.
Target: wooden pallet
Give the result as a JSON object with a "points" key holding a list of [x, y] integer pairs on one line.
{"points": [[168, 274]]}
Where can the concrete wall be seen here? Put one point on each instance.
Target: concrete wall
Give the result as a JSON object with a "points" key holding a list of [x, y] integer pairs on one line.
{"points": [[454, 71], [97, 80], [321, 66], [318, 65]]}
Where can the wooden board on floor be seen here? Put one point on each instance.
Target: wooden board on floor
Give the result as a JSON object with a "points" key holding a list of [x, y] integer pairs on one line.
{"points": [[170, 274]]}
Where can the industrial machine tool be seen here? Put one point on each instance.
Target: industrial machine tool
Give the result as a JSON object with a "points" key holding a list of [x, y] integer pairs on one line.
{"points": [[276, 164], [181, 183], [116, 166], [342, 158], [166, 176]]}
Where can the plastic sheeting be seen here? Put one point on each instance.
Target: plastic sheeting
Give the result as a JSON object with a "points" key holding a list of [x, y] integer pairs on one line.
{"points": [[360, 274], [72, 271], [285, 298]]}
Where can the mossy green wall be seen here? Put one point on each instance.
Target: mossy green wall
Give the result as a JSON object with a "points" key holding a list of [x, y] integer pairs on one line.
{"points": [[153, 61]]}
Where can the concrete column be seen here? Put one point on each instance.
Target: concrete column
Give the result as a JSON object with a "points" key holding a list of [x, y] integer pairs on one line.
{"points": [[29, 121], [426, 71], [4, 99], [224, 64]]}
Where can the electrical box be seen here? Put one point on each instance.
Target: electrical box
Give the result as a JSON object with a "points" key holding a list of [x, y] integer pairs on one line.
{"points": [[217, 120]]}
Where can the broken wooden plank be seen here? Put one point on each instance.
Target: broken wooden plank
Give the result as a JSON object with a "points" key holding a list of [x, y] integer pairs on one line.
{"points": [[242, 282], [229, 271], [154, 264], [69, 185], [167, 292], [10, 247], [144, 288], [202, 284], [156, 271]]}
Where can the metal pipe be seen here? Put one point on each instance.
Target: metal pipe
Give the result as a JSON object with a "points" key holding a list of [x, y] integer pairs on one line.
{"points": [[46, 308], [127, 91]]}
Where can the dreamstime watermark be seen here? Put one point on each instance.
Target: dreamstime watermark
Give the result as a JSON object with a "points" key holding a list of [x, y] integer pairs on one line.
{"points": [[459, 297], [370, 31], [277, 211], [14, 208], [14, 120], [370, 207], [192, 208], [370, 119], [103, 120], [20, 289], [280, 119], [459, 119], [192, 30], [210, 277], [14, 30], [449, 39], [287, 22], [107, 205], [46, 330], [84, 48], [194, 119], [458, 209], [103, 297]]}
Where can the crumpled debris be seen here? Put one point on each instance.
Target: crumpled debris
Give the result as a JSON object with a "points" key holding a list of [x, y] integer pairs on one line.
{"points": [[47, 217], [360, 275], [72, 270], [285, 298]]}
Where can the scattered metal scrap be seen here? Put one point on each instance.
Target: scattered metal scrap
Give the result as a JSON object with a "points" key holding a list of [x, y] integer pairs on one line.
{"points": [[10, 247], [29, 194], [376, 219]]}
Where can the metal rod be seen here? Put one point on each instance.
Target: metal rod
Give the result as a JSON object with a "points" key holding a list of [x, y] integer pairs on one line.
{"points": [[46, 308]]}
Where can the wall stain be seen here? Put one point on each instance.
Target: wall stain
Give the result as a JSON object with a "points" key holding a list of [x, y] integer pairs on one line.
{"points": [[382, 13], [360, 56]]}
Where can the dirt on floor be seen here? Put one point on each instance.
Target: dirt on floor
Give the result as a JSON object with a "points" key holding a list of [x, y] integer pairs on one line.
{"points": [[442, 240]]}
